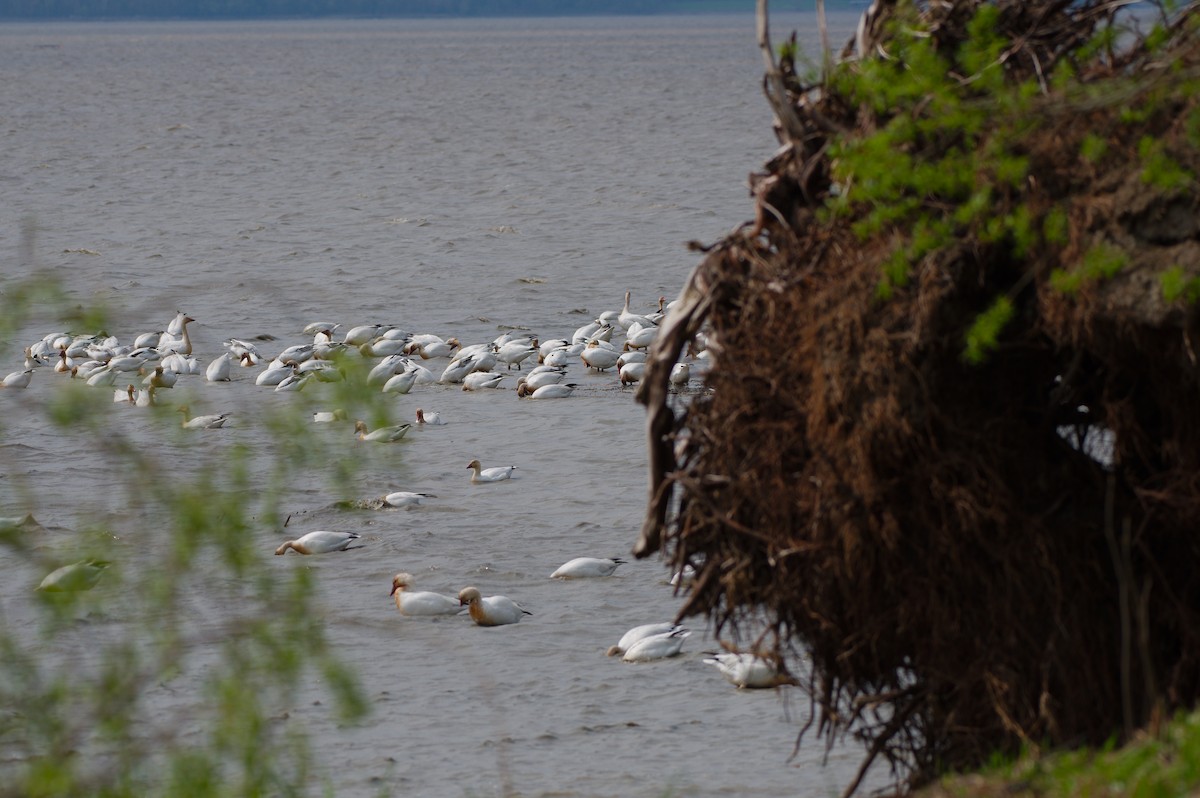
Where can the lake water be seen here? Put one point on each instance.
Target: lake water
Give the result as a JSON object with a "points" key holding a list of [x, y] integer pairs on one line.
{"points": [[454, 177]]}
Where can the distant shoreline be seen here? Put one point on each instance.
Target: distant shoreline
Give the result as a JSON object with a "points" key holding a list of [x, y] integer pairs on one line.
{"points": [[185, 10]]}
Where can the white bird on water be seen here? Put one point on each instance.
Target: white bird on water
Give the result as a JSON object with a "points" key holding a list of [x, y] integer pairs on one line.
{"points": [[321, 541], [421, 603], [493, 610], [18, 379], [432, 419], [584, 567], [218, 370], [495, 474], [656, 646], [202, 422], [404, 498], [745, 669], [640, 633], [381, 435]]}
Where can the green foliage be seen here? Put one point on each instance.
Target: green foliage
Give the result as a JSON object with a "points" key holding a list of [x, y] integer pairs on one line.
{"points": [[1176, 285], [984, 334], [938, 168], [1093, 148], [76, 716], [1161, 170], [1101, 262]]}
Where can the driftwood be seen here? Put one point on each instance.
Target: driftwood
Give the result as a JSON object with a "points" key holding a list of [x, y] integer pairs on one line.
{"points": [[977, 558]]}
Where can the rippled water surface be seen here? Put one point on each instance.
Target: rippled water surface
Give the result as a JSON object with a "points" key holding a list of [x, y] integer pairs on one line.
{"points": [[455, 177]]}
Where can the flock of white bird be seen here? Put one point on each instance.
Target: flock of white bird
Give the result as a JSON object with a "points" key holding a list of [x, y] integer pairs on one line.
{"points": [[155, 361]]}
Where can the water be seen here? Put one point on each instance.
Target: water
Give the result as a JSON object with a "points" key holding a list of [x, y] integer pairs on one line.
{"points": [[455, 177]]}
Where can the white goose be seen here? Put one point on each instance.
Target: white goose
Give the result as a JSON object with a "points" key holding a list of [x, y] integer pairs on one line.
{"points": [[516, 352], [478, 380], [202, 422], [402, 382], [421, 603], [321, 541], [640, 633], [381, 435], [748, 670], [632, 372], [328, 416], [585, 567], [599, 357], [495, 474], [432, 419], [656, 646], [219, 369], [18, 379], [626, 319], [555, 391], [493, 610], [75, 577], [680, 374], [176, 338], [404, 498]]}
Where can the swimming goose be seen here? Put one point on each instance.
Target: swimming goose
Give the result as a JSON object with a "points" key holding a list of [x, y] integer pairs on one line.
{"points": [[321, 541], [18, 379], [432, 419], [584, 567], [745, 669], [298, 353], [656, 646], [458, 369], [404, 498], [128, 394], [535, 380], [328, 416], [202, 422], [387, 368], [380, 346], [218, 370], [64, 363], [180, 364], [640, 633], [293, 382], [402, 382], [479, 380], [555, 391], [381, 435], [421, 603], [274, 373], [439, 348], [82, 575], [493, 610], [496, 474], [240, 349], [176, 338], [160, 378], [357, 336]]}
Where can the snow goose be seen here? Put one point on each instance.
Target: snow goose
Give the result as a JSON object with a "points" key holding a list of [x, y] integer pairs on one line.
{"points": [[479, 380], [100, 376], [404, 498], [298, 353], [555, 391], [219, 369], [656, 647], [546, 347], [745, 669], [433, 349], [640, 337], [77, 576], [328, 416], [515, 352], [585, 332], [381, 435], [557, 357], [640, 633], [321, 541], [632, 372], [18, 379], [599, 357], [293, 382], [274, 373], [626, 319], [458, 370], [384, 347], [127, 394], [357, 336], [495, 474], [202, 422], [535, 380], [402, 382], [584, 567], [421, 603], [432, 419], [680, 374], [387, 368], [64, 363], [176, 338], [493, 610], [160, 378]]}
